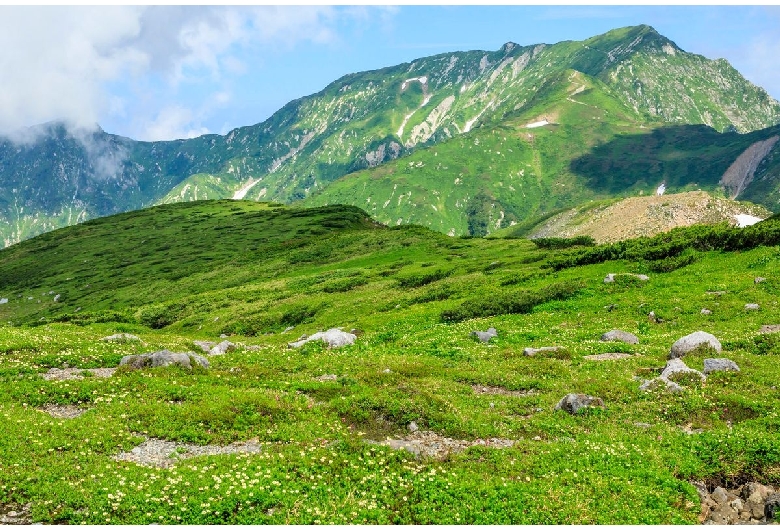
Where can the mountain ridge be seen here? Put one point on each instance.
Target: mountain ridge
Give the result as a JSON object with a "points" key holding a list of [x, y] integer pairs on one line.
{"points": [[362, 121]]}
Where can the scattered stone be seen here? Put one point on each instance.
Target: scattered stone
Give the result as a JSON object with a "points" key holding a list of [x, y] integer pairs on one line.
{"points": [[769, 328], [288, 329], [223, 335], [162, 453], [430, 444], [759, 279], [121, 337], [642, 425], [715, 293], [387, 371], [751, 503], [3, 300], [610, 307], [65, 374], [413, 427], [720, 365], [611, 276], [654, 319], [573, 403], [485, 336], [607, 356], [19, 515], [620, 336], [494, 390], [57, 298], [533, 351], [163, 358], [537, 438], [690, 342], [334, 338], [688, 429], [63, 411], [752, 307], [328, 377], [706, 311]]}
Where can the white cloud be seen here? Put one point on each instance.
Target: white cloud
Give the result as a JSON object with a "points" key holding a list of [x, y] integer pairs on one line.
{"points": [[174, 123], [84, 64]]}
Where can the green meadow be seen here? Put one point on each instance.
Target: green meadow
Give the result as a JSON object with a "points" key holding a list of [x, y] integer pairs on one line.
{"points": [[180, 273]]}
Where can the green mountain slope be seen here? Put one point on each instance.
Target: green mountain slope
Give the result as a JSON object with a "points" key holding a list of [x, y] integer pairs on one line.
{"points": [[367, 119], [579, 142], [315, 419]]}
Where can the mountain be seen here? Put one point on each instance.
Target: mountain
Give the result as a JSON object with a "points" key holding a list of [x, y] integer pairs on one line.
{"points": [[628, 81]]}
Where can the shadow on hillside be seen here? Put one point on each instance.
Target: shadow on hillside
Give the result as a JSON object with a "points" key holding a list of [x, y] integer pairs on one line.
{"points": [[688, 155]]}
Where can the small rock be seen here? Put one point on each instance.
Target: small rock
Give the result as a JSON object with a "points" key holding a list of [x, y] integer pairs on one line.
{"points": [[328, 377], [413, 427], [720, 495], [533, 351], [485, 336], [57, 298], [651, 317], [611, 276], [572, 403], [288, 328], [386, 371], [752, 307], [692, 341], [223, 336], [769, 328], [719, 365], [620, 336], [3, 300], [759, 279], [706, 311], [537, 438], [642, 425]]}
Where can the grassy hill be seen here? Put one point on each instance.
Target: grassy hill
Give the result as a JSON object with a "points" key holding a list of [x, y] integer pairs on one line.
{"points": [[184, 272]]}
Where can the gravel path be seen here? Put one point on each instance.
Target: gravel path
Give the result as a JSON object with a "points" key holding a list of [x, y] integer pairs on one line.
{"points": [[163, 453], [63, 374]]}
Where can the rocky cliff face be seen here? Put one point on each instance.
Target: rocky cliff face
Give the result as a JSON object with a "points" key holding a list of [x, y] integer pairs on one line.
{"points": [[363, 121]]}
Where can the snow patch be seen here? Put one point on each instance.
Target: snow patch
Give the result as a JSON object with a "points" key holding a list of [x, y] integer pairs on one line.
{"points": [[537, 124], [744, 220]]}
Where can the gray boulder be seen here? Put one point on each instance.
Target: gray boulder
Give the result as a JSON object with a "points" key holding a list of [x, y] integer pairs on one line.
{"points": [[759, 279], [720, 365], [611, 276], [690, 342], [752, 307], [667, 385], [706, 311], [530, 352], [620, 336], [121, 337], [222, 348], [573, 403], [485, 336], [676, 367], [334, 338], [163, 358]]}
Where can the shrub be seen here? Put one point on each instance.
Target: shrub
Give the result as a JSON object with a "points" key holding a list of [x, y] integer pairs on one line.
{"points": [[516, 302], [564, 242], [422, 278]]}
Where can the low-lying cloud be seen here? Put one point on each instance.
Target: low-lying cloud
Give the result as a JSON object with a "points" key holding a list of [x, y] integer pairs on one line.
{"points": [[81, 65]]}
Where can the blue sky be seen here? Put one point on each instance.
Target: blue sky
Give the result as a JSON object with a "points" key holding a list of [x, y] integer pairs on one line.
{"points": [[164, 72]]}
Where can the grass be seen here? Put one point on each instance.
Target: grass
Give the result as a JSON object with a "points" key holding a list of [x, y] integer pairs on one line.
{"points": [[252, 270]]}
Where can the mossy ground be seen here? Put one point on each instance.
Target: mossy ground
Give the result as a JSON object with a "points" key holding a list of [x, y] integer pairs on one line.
{"points": [[251, 271]]}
